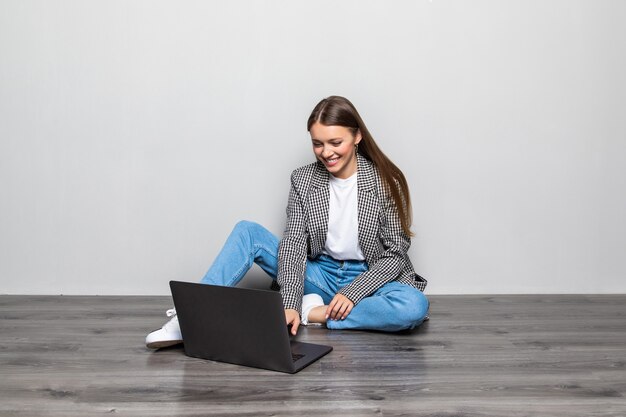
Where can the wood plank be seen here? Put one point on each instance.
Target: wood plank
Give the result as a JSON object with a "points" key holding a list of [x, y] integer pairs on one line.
{"points": [[513, 355]]}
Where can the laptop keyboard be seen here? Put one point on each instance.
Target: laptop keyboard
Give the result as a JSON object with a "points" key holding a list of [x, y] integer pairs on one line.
{"points": [[296, 356]]}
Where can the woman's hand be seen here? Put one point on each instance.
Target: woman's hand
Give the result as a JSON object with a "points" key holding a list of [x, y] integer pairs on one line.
{"points": [[339, 307], [293, 318]]}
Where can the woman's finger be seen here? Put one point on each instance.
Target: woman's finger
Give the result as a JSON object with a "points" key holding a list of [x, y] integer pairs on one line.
{"points": [[348, 310]]}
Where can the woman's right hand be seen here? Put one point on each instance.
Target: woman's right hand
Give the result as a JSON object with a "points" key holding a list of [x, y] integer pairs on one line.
{"points": [[293, 318]]}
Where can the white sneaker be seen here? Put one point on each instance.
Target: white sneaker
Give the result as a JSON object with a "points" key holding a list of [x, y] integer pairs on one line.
{"points": [[309, 302], [168, 335]]}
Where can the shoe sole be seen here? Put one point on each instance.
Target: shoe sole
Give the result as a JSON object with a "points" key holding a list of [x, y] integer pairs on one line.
{"points": [[163, 344]]}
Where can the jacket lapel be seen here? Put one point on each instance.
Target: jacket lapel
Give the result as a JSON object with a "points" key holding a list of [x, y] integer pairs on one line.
{"points": [[368, 207], [318, 209]]}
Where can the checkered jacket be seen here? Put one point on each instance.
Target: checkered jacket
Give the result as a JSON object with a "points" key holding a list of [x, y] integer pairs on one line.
{"points": [[382, 240]]}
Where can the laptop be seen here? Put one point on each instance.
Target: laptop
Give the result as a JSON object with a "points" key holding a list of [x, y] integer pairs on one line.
{"points": [[241, 326]]}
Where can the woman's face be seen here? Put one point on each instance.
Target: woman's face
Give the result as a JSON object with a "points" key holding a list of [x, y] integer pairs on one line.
{"points": [[334, 147]]}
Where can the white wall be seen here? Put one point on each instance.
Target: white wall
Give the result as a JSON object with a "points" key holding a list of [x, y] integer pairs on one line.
{"points": [[134, 134]]}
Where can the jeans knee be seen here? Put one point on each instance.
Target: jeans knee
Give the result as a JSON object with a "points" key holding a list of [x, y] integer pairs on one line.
{"points": [[253, 234], [245, 224], [414, 311], [246, 227]]}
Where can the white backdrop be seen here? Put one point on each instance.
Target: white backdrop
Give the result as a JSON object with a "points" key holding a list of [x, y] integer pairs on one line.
{"points": [[134, 134]]}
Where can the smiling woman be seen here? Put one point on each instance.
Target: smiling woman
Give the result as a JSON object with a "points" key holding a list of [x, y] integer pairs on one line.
{"points": [[334, 115], [342, 260]]}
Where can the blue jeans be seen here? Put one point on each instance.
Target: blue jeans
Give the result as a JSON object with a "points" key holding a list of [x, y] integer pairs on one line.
{"points": [[393, 307]]}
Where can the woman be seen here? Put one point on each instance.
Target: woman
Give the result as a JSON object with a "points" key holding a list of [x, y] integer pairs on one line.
{"points": [[343, 258]]}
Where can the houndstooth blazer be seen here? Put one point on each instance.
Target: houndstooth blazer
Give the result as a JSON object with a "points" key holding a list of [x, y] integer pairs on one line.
{"points": [[382, 240]]}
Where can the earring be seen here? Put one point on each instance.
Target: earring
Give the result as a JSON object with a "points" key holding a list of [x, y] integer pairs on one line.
{"points": [[356, 148]]}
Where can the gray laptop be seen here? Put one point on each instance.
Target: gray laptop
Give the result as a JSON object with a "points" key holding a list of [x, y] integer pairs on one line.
{"points": [[240, 326]]}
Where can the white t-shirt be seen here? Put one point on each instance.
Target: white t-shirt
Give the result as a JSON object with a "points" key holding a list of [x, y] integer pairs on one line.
{"points": [[342, 240]]}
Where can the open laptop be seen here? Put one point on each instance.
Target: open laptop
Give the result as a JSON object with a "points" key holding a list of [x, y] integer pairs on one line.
{"points": [[240, 326]]}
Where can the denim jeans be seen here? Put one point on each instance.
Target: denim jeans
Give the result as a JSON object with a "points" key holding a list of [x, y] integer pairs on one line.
{"points": [[393, 307]]}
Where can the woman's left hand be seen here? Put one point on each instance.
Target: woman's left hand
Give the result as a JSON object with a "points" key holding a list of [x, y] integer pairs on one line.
{"points": [[339, 307]]}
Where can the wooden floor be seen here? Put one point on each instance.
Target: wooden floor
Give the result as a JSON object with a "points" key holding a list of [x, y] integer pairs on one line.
{"points": [[478, 356]]}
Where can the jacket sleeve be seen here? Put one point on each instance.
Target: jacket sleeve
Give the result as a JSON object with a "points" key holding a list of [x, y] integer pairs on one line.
{"points": [[292, 252], [391, 261]]}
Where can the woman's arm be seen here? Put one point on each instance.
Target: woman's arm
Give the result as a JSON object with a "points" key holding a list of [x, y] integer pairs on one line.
{"points": [[292, 252]]}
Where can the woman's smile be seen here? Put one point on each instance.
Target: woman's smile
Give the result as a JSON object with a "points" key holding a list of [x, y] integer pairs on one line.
{"points": [[330, 162]]}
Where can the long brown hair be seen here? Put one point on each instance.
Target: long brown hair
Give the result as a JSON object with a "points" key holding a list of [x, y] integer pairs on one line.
{"points": [[339, 111]]}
